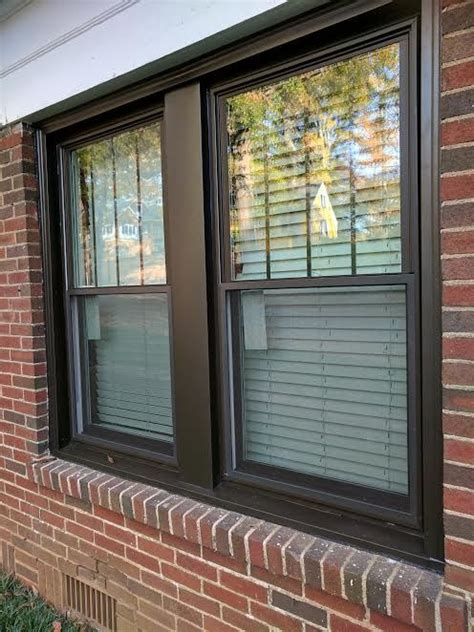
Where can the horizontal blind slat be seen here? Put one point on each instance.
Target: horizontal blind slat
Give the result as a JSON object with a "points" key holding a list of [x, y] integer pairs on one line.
{"points": [[329, 391]]}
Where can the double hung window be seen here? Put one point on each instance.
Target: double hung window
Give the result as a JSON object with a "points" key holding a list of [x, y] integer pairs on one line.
{"points": [[117, 292], [241, 285], [317, 277]]}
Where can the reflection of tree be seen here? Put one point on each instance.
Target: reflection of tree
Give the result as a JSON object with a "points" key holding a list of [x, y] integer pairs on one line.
{"points": [[338, 125], [119, 173]]}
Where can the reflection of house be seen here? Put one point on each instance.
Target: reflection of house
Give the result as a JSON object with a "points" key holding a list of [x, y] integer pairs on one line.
{"points": [[128, 228], [323, 216]]}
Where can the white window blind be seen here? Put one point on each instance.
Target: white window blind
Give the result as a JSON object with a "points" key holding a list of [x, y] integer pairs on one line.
{"points": [[129, 364], [326, 392]]}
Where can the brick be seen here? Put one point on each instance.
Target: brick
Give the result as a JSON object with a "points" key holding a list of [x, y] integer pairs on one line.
{"points": [[458, 424], [459, 500], [164, 510], [122, 535], [191, 522], [165, 620], [181, 577], [459, 18], [139, 504], [457, 242], [459, 552], [52, 519], [242, 621], [156, 549], [294, 554], [77, 557], [377, 580], [182, 610], [149, 625], [243, 586], [143, 529], [285, 583], [454, 321], [275, 547], [460, 577], [223, 560], [459, 451], [126, 612], [177, 522], [459, 75], [151, 508], [123, 595], [107, 515], [126, 506], [456, 104], [109, 544], [222, 529], [299, 608], [426, 594], [196, 566], [116, 494], [402, 584], [206, 526], [458, 399], [331, 602], [343, 625], [185, 626], [222, 595], [331, 568], [453, 613], [80, 531], [460, 131], [160, 584], [138, 589], [87, 520], [142, 559], [456, 187], [27, 574], [200, 602], [457, 348], [459, 526], [215, 625], [280, 621], [458, 269], [181, 544], [239, 534], [256, 542], [459, 373], [312, 562]]}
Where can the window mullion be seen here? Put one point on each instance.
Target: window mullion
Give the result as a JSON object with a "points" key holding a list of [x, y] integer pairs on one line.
{"points": [[184, 203]]}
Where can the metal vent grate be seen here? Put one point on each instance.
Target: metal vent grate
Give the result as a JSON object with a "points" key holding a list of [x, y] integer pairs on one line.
{"points": [[88, 602]]}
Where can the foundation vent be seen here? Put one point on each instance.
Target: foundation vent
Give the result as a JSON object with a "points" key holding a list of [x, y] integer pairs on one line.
{"points": [[90, 603]]}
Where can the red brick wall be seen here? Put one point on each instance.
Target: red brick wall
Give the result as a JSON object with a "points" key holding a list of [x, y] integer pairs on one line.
{"points": [[23, 402], [457, 247], [175, 564]]}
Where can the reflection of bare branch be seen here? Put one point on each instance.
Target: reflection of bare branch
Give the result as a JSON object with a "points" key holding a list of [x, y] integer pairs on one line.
{"points": [[85, 227]]}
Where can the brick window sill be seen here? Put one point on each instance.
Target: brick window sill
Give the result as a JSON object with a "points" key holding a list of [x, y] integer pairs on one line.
{"points": [[310, 570]]}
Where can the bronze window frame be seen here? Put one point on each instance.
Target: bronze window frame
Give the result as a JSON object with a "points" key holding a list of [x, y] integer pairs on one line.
{"points": [[83, 430], [186, 98], [405, 510]]}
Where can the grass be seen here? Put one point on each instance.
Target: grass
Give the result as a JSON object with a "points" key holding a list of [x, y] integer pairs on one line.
{"points": [[21, 610]]}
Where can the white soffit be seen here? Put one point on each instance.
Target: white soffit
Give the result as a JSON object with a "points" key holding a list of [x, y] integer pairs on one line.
{"points": [[52, 50]]}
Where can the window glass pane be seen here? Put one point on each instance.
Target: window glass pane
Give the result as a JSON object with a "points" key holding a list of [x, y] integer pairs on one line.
{"points": [[117, 211], [324, 374], [126, 362], [314, 172]]}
